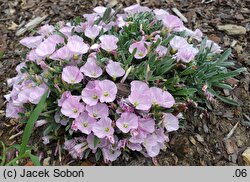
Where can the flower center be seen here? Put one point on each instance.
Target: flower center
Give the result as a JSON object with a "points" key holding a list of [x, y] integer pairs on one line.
{"points": [[125, 125], [140, 54], [73, 81], [85, 124], [106, 129], [75, 110], [95, 97], [75, 56], [136, 104], [106, 94], [95, 115]]}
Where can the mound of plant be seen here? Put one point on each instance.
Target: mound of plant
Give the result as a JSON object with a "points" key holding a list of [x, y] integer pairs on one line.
{"points": [[116, 82]]}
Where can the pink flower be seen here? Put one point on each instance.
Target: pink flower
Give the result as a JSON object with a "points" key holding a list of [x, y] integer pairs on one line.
{"points": [[139, 101], [108, 42], [76, 147], [173, 23], [92, 32], [100, 144], [13, 111], [136, 8], [139, 86], [103, 128], [167, 100], [108, 91], [99, 110], [151, 145], [186, 54], [55, 39], [161, 137], [178, 43], [72, 107], [214, 46], [140, 95], [134, 146], [32, 56], [197, 34], [161, 51], [171, 122], [141, 50], [147, 125], [161, 98], [84, 123], [110, 153], [72, 75], [40, 122], [127, 121], [66, 31], [91, 93], [46, 48], [62, 54], [32, 42], [46, 30], [36, 93], [114, 69], [160, 13], [64, 96], [100, 10], [91, 69], [76, 45]]}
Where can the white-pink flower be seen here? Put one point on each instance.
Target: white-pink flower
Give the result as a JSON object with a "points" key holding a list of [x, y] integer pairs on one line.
{"points": [[46, 48], [108, 42], [127, 121], [92, 31], [103, 128], [76, 45], [72, 107], [100, 110], [32, 42], [84, 123], [171, 122], [173, 23], [72, 75], [108, 90], [141, 50], [91, 93], [91, 69], [114, 69]]}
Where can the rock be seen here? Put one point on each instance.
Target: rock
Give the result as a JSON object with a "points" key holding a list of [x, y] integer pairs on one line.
{"points": [[246, 156], [232, 29]]}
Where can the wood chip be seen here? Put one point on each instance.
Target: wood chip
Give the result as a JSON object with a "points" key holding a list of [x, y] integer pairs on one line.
{"points": [[178, 13], [232, 29], [246, 156], [31, 25]]}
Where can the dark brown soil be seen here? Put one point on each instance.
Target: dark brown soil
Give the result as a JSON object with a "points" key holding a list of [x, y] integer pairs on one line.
{"points": [[202, 140]]}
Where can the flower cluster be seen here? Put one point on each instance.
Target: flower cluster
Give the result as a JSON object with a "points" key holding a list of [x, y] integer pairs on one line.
{"points": [[111, 79]]}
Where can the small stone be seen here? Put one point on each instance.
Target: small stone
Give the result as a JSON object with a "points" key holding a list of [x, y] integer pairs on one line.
{"points": [[232, 29], [246, 156]]}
